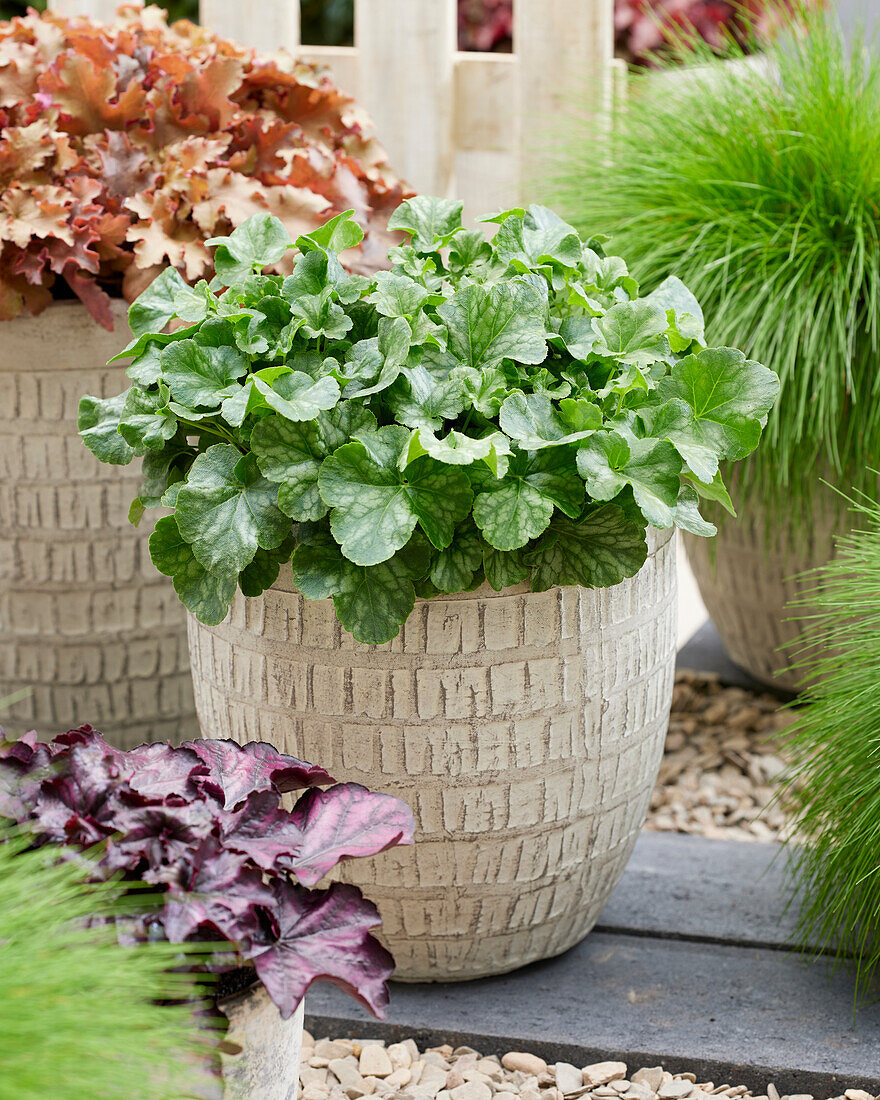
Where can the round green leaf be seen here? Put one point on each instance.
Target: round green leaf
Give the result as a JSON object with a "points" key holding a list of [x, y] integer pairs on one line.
{"points": [[201, 375], [226, 509], [98, 426], [600, 551], [297, 396], [517, 508], [608, 463], [729, 396], [374, 602], [206, 594], [291, 453]]}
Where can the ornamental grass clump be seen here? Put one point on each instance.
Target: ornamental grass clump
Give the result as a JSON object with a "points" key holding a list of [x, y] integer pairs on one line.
{"points": [[833, 794], [760, 188], [202, 826], [82, 1015], [483, 412], [122, 149]]}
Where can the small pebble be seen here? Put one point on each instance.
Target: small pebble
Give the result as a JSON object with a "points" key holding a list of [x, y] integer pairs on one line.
{"points": [[401, 1056], [639, 1092], [471, 1090], [347, 1073], [525, 1063], [569, 1079], [675, 1090], [602, 1073], [329, 1048], [651, 1077], [374, 1061]]}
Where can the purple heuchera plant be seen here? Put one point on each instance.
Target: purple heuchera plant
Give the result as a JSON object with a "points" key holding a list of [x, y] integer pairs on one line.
{"points": [[203, 824]]}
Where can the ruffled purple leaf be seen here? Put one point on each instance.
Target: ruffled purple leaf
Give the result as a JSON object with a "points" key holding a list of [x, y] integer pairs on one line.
{"points": [[324, 935], [219, 891], [82, 735], [342, 823], [240, 770], [79, 804], [324, 828], [162, 836], [160, 771], [261, 831], [23, 749]]}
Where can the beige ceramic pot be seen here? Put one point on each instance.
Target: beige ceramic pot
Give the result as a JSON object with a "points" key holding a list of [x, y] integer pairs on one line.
{"points": [[266, 1066], [86, 622], [524, 729], [751, 572]]}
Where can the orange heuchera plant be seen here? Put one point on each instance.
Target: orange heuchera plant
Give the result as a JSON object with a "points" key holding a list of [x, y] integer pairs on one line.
{"points": [[122, 149]]}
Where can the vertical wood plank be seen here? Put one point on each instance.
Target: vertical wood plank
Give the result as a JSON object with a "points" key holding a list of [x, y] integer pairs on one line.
{"points": [[565, 48], [266, 25], [486, 132], [405, 50], [102, 10]]}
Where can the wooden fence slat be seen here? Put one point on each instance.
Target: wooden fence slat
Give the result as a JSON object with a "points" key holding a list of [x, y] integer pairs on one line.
{"points": [[406, 50], [486, 132], [102, 10], [564, 47], [266, 25]]}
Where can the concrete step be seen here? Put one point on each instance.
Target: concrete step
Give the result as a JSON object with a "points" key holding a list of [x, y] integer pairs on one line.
{"points": [[689, 968]]}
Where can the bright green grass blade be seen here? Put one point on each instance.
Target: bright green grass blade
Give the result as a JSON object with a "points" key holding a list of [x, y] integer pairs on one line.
{"points": [[834, 792], [79, 1014]]}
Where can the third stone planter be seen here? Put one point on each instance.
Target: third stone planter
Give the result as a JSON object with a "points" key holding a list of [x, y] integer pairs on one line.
{"points": [[750, 573], [86, 622], [525, 730]]}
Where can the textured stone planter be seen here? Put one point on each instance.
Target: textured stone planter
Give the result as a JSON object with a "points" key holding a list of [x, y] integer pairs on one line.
{"points": [[524, 729], [85, 619], [267, 1067], [748, 574]]}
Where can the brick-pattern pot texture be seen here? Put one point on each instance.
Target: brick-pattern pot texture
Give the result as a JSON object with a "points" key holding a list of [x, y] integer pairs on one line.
{"points": [[86, 622], [751, 572], [524, 729]]}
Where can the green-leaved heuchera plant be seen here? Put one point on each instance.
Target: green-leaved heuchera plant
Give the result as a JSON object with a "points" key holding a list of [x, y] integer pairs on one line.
{"points": [[498, 412]]}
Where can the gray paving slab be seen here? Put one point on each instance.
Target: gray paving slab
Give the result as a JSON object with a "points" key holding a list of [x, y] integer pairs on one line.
{"points": [[716, 891], [689, 969]]}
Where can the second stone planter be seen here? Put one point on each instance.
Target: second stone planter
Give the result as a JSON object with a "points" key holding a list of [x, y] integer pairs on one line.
{"points": [[88, 628], [525, 730]]}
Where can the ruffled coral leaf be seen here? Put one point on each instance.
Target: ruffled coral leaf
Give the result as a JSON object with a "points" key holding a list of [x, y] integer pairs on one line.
{"points": [[181, 136], [86, 96]]}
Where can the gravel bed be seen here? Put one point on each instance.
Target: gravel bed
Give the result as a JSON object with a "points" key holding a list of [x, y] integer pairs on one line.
{"points": [[347, 1069], [721, 760]]}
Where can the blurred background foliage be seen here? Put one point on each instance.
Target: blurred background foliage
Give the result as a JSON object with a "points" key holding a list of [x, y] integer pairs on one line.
{"points": [[328, 22], [641, 26]]}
